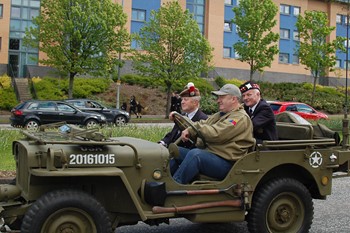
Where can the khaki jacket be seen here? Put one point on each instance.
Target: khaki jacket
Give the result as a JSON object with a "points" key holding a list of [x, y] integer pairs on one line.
{"points": [[228, 136]]}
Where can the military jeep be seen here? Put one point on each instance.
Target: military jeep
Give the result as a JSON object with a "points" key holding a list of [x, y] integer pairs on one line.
{"points": [[80, 181]]}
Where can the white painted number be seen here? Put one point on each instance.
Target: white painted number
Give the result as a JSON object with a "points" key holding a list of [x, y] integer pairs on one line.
{"points": [[77, 159]]}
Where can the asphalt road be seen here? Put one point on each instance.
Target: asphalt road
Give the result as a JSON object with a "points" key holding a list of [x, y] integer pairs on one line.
{"points": [[330, 216]]}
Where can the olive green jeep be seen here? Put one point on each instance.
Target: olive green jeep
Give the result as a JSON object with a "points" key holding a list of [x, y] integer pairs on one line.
{"points": [[80, 181]]}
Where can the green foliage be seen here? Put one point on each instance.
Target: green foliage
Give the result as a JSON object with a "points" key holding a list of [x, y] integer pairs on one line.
{"points": [[58, 88], [220, 81], [79, 36], [7, 99], [7, 160], [314, 51], [175, 47], [209, 104], [7, 94], [255, 20]]}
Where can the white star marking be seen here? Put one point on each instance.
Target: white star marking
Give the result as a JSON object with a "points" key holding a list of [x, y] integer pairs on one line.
{"points": [[315, 159]]}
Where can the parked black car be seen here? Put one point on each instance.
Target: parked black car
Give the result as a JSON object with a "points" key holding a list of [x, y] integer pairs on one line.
{"points": [[113, 115], [33, 113]]}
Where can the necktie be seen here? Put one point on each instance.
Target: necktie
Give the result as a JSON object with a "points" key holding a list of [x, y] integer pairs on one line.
{"points": [[250, 112]]}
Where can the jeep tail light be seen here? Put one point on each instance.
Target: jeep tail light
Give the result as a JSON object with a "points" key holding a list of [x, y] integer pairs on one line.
{"points": [[17, 112]]}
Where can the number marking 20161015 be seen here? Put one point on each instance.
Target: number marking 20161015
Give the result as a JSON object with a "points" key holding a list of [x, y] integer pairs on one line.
{"points": [[77, 159]]}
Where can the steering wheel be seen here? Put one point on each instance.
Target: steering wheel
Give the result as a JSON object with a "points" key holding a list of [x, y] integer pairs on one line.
{"points": [[184, 123]]}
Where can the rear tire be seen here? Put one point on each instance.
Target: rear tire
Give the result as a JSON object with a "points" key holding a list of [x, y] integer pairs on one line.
{"points": [[32, 125], [91, 123], [66, 211], [281, 205]]}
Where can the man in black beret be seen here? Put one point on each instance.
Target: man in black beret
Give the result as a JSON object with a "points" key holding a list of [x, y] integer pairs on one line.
{"points": [[260, 112]]}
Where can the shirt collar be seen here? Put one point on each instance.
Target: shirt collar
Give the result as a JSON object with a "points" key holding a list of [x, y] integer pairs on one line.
{"points": [[191, 114]]}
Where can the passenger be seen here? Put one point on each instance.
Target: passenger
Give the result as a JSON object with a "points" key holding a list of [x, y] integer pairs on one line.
{"points": [[260, 112], [228, 135]]}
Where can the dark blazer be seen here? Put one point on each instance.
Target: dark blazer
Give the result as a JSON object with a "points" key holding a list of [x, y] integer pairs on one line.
{"points": [[264, 122], [175, 133]]}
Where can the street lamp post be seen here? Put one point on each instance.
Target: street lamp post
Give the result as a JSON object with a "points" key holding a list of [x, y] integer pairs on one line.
{"points": [[345, 120], [118, 80]]}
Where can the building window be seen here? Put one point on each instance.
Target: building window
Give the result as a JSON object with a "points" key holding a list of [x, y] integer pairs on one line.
{"points": [[135, 45], [296, 35], [284, 9], [138, 15], [227, 27], [227, 52], [295, 59], [197, 8], [284, 58], [338, 19], [1, 10], [228, 2], [237, 55], [296, 11], [346, 43], [284, 34], [15, 12], [337, 63], [14, 44]]}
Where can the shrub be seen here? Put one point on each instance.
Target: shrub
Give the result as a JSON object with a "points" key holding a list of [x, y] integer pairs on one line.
{"points": [[7, 94]]}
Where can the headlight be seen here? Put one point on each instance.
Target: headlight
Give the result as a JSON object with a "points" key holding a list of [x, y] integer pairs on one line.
{"points": [[103, 118]]}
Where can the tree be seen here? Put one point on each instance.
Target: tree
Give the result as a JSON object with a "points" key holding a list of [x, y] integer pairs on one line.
{"points": [[314, 51], [79, 36], [173, 47], [257, 45]]}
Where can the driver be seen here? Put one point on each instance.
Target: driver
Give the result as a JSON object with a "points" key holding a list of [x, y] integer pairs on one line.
{"points": [[190, 107], [228, 135]]}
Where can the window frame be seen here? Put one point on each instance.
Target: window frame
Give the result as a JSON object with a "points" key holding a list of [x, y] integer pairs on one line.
{"points": [[297, 60], [229, 2], [139, 12], [226, 49], [294, 10], [229, 28], [285, 55], [283, 8], [1, 10], [282, 33], [338, 19], [296, 36]]}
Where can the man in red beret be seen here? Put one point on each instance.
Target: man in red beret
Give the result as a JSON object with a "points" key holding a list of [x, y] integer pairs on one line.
{"points": [[190, 103], [260, 112]]}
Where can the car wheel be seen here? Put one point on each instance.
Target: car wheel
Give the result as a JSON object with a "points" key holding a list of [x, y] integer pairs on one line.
{"points": [[91, 123], [120, 120], [66, 211], [281, 205], [32, 125]]}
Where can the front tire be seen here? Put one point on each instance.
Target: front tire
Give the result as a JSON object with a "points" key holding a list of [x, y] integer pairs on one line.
{"points": [[281, 205], [120, 120], [91, 123], [66, 211]]}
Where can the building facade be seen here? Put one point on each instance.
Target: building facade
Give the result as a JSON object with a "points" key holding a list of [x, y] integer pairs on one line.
{"points": [[214, 20]]}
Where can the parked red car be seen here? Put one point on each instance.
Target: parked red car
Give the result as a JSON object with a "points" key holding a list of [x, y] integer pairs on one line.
{"points": [[303, 110]]}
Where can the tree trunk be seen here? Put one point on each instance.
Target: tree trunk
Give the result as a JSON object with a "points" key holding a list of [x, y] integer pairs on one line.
{"points": [[168, 99], [70, 87], [313, 91]]}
